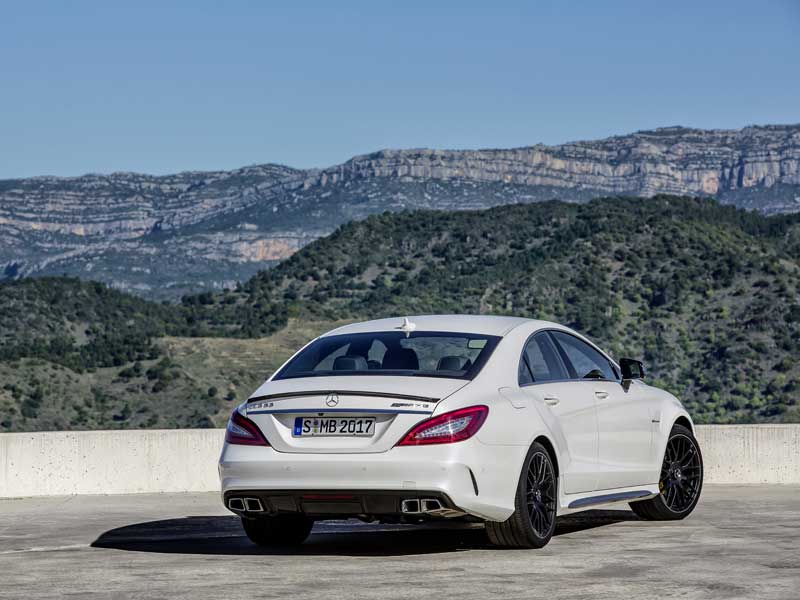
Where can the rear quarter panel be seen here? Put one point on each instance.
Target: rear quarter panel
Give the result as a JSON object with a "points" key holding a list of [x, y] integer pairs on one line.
{"points": [[515, 420]]}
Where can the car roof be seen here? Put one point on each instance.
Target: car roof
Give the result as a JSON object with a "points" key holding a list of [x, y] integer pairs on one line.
{"points": [[479, 324]]}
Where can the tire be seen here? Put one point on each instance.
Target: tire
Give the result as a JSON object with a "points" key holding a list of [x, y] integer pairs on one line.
{"points": [[282, 531], [680, 481], [534, 519]]}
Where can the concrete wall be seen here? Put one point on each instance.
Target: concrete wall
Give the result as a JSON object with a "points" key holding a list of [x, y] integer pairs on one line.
{"points": [[125, 462], [750, 453], [109, 462]]}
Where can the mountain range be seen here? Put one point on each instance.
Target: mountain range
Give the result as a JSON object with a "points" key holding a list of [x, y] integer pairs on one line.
{"points": [[707, 295], [165, 236]]}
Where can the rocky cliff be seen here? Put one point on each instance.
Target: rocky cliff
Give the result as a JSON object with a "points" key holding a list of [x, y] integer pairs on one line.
{"points": [[672, 160], [162, 236]]}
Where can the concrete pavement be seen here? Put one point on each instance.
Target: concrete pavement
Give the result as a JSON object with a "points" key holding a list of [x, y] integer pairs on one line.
{"points": [[741, 542]]}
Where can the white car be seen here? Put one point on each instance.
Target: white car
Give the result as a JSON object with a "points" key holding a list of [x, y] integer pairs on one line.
{"points": [[503, 420]]}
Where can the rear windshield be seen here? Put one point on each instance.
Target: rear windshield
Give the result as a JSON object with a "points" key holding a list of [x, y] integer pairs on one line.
{"points": [[423, 353]]}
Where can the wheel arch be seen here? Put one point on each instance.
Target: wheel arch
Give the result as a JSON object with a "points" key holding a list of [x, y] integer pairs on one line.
{"points": [[672, 413], [684, 421], [551, 450]]}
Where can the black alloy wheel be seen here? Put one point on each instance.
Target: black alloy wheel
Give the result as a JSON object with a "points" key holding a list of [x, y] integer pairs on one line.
{"points": [[681, 473], [541, 493], [680, 481], [533, 521]]}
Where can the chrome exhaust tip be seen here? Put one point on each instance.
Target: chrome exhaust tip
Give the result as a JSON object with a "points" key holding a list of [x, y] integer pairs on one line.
{"points": [[410, 507], [236, 504], [253, 505], [430, 505]]}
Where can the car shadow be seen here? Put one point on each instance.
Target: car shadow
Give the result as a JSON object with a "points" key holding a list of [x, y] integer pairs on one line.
{"points": [[223, 535]]}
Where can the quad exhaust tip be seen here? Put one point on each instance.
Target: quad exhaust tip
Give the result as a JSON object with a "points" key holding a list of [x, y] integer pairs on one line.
{"points": [[415, 506], [253, 505], [410, 507], [430, 505], [245, 505]]}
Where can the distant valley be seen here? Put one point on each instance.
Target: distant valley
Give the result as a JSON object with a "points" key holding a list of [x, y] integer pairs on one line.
{"points": [[707, 295], [165, 236]]}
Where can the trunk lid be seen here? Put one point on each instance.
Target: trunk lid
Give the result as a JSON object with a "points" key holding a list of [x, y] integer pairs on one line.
{"points": [[395, 403]]}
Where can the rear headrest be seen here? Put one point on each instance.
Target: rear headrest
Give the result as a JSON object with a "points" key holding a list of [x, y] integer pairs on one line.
{"points": [[404, 359], [451, 363], [350, 363]]}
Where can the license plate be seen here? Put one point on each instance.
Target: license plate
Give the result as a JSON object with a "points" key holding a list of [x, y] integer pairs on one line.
{"points": [[334, 426]]}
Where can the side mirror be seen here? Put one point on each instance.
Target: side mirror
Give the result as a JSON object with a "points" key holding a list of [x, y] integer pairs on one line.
{"points": [[631, 369]]}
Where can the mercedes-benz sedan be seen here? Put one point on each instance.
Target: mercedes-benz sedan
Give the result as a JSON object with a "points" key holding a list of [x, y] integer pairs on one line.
{"points": [[501, 420]]}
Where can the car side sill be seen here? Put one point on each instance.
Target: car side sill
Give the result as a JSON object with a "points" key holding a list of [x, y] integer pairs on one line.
{"points": [[606, 498]]}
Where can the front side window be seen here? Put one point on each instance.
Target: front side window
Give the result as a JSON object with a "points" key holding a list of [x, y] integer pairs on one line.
{"points": [[429, 354], [587, 362], [540, 362]]}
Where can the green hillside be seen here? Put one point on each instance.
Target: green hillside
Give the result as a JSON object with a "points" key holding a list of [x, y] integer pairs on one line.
{"points": [[707, 295]]}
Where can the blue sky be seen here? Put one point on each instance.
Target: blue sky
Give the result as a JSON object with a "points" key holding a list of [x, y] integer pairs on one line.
{"points": [[168, 86]]}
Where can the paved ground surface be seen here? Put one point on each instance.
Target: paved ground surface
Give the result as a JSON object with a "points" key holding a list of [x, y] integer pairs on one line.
{"points": [[741, 542]]}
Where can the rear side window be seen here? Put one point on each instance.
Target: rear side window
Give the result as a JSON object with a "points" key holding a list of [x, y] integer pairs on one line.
{"points": [[587, 362], [540, 361]]}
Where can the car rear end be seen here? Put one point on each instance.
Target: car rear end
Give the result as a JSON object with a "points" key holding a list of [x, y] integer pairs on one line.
{"points": [[406, 463], [355, 439]]}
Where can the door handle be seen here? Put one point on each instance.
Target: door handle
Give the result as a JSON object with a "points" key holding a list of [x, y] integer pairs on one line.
{"points": [[601, 394], [551, 400]]}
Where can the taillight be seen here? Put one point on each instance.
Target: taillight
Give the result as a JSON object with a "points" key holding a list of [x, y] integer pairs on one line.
{"points": [[447, 428], [242, 430]]}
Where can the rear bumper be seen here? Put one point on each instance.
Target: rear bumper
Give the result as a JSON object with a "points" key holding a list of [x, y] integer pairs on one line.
{"points": [[329, 504], [476, 478]]}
